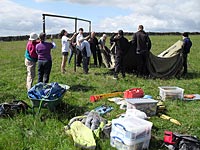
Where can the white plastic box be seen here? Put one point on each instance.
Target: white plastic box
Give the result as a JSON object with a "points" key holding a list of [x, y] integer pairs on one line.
{"points": [[126, 144], [171, 92], [130, 133], [148, 106]]}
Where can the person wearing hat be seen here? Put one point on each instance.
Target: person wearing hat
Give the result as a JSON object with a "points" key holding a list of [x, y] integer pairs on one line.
{"points": [[187, 44], [31, 59], [122, 46], [43, 50]]}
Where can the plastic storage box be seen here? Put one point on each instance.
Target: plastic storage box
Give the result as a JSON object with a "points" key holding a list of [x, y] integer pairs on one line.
{"points": [[171, 92], [130, 133], [148, 106], [126, 144]]}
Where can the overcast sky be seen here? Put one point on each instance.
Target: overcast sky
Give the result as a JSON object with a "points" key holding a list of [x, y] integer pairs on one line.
{"points": [[21, 17]]}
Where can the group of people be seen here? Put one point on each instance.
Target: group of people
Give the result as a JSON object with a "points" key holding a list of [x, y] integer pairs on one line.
{"points": [[38, 49], [83, 46], [140, 41]]}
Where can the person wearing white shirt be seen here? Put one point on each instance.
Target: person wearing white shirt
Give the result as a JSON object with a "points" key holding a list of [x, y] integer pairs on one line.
{"points": [[84, 46], [65, 42]]}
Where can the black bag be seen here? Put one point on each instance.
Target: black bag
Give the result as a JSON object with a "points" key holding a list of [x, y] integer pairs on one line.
{"points": [[181, 142], [10, 109], [188, 143]]}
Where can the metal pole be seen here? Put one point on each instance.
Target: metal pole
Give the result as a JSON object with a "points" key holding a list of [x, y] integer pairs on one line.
{"points": [[43, 22], [50, 15], [75, 47], [90, 26]]}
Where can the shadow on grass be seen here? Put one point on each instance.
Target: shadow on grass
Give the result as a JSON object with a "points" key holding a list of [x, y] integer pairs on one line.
{"points": [[156, 144], [109, 72], [64, 111], [79, 87], [67, 111], [191, 75]]}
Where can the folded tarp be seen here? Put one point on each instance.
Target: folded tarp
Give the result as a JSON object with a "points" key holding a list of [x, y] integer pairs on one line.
{"points": [[164, 67], [172, 50]]}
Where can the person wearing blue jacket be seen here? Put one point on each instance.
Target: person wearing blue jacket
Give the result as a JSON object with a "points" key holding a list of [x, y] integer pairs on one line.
{"points": [[187, 44]]}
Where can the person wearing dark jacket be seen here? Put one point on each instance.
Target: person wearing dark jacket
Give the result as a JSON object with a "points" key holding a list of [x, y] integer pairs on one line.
{"points": [[121, 49], [142, 43], [94, 46], [187, 44]]}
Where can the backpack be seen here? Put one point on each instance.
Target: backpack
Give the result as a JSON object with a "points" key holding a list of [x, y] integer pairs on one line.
{"points": [[10, 109], [176, 141]]}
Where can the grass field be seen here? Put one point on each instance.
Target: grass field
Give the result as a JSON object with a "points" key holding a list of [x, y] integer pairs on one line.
{"points": [[45, 131]]}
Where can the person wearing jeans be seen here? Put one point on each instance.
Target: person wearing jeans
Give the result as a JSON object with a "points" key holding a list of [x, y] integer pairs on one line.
{"points": [[84, 47], [43, 50], [31, 59]]}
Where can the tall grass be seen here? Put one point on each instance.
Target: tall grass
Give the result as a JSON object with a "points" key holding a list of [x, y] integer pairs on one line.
{"points": [[45, 131]]}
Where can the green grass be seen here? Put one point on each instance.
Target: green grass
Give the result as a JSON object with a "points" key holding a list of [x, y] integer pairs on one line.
{"points": [[45, 131]]}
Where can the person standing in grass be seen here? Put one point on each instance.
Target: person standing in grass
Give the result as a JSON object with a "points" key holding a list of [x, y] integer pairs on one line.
{"points": [[43, 50], [94, 45], [84, 46], [31, 59], [105, 51], [142, 43], [122, 46], [187, 44], [65, 41]]}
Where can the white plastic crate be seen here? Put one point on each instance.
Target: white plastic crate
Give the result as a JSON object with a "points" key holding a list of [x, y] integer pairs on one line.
{"points": [[148, 106], [171, 92], [127, 144], [130, 133]]}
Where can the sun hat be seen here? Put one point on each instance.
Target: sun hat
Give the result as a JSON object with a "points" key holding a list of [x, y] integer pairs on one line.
{"points": [[33, 36], [104, 35]]}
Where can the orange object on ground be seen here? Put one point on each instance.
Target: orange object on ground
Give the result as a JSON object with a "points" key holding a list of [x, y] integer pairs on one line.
{"points": [[190, 96], [94, 98]]}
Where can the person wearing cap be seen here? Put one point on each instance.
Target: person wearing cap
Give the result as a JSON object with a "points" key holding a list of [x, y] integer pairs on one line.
{"points": [[31, 59], [142, 43], [43, 50], [122, 46], [65, 42], [187, 44]]}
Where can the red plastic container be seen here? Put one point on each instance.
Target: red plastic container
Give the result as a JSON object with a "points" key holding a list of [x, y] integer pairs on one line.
{"points": [[169, 138], [134, 93]]}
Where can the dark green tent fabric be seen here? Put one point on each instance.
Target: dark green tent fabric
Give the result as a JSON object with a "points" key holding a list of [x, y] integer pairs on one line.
{"points": [[164, 67], [167, 64]]}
